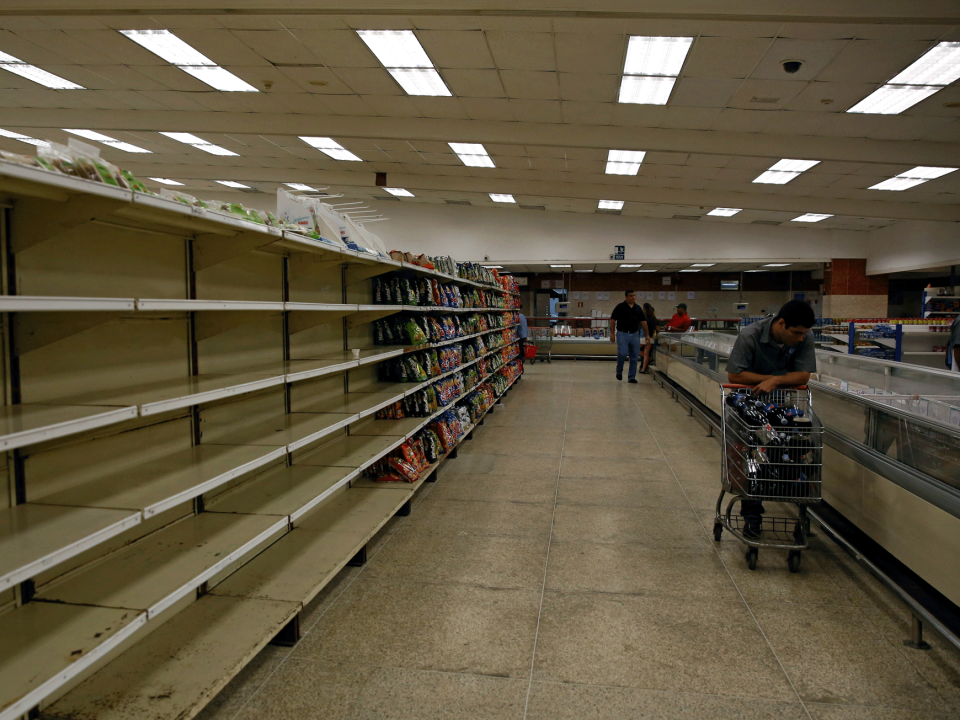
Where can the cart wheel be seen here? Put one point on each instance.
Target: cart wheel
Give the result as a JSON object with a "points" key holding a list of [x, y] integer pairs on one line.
{"points": [[717, 531], [793, 560], [752, 554]]}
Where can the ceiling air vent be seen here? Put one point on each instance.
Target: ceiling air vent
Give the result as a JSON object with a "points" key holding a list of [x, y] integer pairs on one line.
{"points": [[533, 207], [765, 100], [766, 222], [686, 217], [457, 202]]}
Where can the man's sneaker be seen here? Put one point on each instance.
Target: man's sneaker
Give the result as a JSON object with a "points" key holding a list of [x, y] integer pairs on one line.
{"points": [[619, 376], [632, 380], [752, 527]]}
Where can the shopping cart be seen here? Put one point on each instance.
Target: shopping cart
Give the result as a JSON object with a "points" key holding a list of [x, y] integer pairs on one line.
{"points": [[769, 462], [542, 340]]}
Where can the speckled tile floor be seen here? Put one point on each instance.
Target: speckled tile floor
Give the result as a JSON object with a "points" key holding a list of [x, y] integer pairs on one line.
{"points": [[563, 567]]}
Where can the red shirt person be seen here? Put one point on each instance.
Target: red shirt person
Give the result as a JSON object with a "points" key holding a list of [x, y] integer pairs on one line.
{"points": [[680, 322]]}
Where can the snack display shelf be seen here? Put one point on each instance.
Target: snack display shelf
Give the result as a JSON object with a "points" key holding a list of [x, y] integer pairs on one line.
{"points": [[22, 425], [151, 575], [35, 537], [433, 308], [425, 383], [450, 278], [47, 645]]}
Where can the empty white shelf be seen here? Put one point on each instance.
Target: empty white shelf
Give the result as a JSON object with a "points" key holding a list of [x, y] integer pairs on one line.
{"points": [[160, 483], [353, 451], [45, 645], [149, 305], [22, 425], [34, 538], [27, 303], [158, 570], [357, 404], [294, 430]]}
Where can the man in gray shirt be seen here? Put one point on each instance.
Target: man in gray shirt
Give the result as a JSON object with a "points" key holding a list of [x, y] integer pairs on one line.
{"points": [[768, 354]]}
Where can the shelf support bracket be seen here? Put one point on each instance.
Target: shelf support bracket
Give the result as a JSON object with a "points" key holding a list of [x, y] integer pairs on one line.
{"points": [[36, 221], [32, 331], [210, 249]]}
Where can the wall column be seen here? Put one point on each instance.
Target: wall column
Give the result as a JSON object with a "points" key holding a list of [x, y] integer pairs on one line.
{"points": [[848, 292]]}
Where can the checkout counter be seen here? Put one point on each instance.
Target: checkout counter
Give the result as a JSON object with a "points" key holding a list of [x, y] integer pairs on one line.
{"points": [[891, 461]]}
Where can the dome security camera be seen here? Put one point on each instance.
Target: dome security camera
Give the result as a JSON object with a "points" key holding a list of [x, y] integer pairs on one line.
{"points": [[791, 66]]}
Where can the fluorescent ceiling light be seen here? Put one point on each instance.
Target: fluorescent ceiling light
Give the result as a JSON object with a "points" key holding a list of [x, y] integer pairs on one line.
{"points": [[756, 270], [232, 184], [651, 270], [559, 266], [771, 265], [199, 143], [703, 264], [330, 147], [724, 212], [934, 70], [399, 192], [783, 171], [403, 56], [472, 154], [23, 138], [165, 181], [632, 266], [651, 68], [494, 267], [107, 140], [300, 186], [35, 74], [811, 217], [689, 270], [912, 178], [583, 270], [610, 205], [624, 162], [175, 51], [501, 198], [639, 90]]}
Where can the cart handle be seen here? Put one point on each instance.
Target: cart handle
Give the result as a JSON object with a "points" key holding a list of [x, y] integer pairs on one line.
{"points": [[729, 386]]}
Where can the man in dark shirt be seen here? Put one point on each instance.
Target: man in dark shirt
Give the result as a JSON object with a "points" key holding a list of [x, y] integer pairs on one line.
{"points": [[628, 324], [768, 354]]}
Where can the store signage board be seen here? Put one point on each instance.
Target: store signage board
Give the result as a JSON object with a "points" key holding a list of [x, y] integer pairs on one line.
{"points": [[551, 284], [672, 295], [574, 295], [691, 294], [665, 280], [522, 281], [649, 295], [584, 296], [619, 252], [662, 295]]}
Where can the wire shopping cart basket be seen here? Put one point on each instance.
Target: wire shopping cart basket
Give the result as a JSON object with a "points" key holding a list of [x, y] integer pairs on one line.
{"points": [[542, 339], [772, 452]]}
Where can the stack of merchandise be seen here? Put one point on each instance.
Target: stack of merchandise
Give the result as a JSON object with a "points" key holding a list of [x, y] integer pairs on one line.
{"points": [[502, 380], [421, 366], [477, 403], [78, 160], [420, 260], [422, 403], [395, 289], [449, 389], [406, 463]]}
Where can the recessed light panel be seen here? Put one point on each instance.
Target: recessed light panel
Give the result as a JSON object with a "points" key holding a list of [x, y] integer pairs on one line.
{"points": [[23, 138], [175, 51], [198, 143], [651, 68], [559, 266], [399, 192], [811, 217], [300, 186], [783, 171], [936, 68], [912, 178], [689, 270], [724, 212], [624, 162], [632, 266], [610, 205], [165, 181], [651, 270], [703, 264], [771, 265], [232, 184], [401, 53], [331, 148], [35, 74], [472, 154], [107, 140], [501, 198], [583, 270]]}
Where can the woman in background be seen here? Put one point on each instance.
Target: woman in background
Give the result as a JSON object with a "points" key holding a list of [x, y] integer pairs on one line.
{"points": [[654, 332]]}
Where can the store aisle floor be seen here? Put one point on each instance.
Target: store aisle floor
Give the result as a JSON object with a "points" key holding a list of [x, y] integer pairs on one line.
{"points": [[563, 567]]}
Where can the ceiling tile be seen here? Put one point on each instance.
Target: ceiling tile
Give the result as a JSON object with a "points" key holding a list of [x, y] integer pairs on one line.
{"points": [[795, 122], [753, 94], [277, 46], [948, 133], [134, 100], [348, 105], [221, 101], [665, 158], [815, 54], [530, 85], [222, 46], [589, 88], [106, 77], [489, 109], [872, 61], [549, 164], [432, 22], [522, 50], [171, 22], [457, 49], [590, 54], [724, 57], [906, 127], [690, 118], [708, 160], [704, 92], [305, 103], [73, 50], [318, 80], [337, 48], [369, 81], [440, 107], [737, 120], [587, 113], [173, 100], [474, 83], [829, 96], [628, 114], [393, 105], [509, 162], [517, 23], [173, 78]]}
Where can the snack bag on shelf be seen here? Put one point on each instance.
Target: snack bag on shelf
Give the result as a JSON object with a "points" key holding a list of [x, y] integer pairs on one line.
{"points": [[424, 262], [404, 469], [396, 255], [415, 333]]}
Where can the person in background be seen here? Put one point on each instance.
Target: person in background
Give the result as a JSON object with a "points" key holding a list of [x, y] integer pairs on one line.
{"points": [[628, 325], [680, 322], [654, 328], [522, 334], [768, 354], [953, 346]]}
